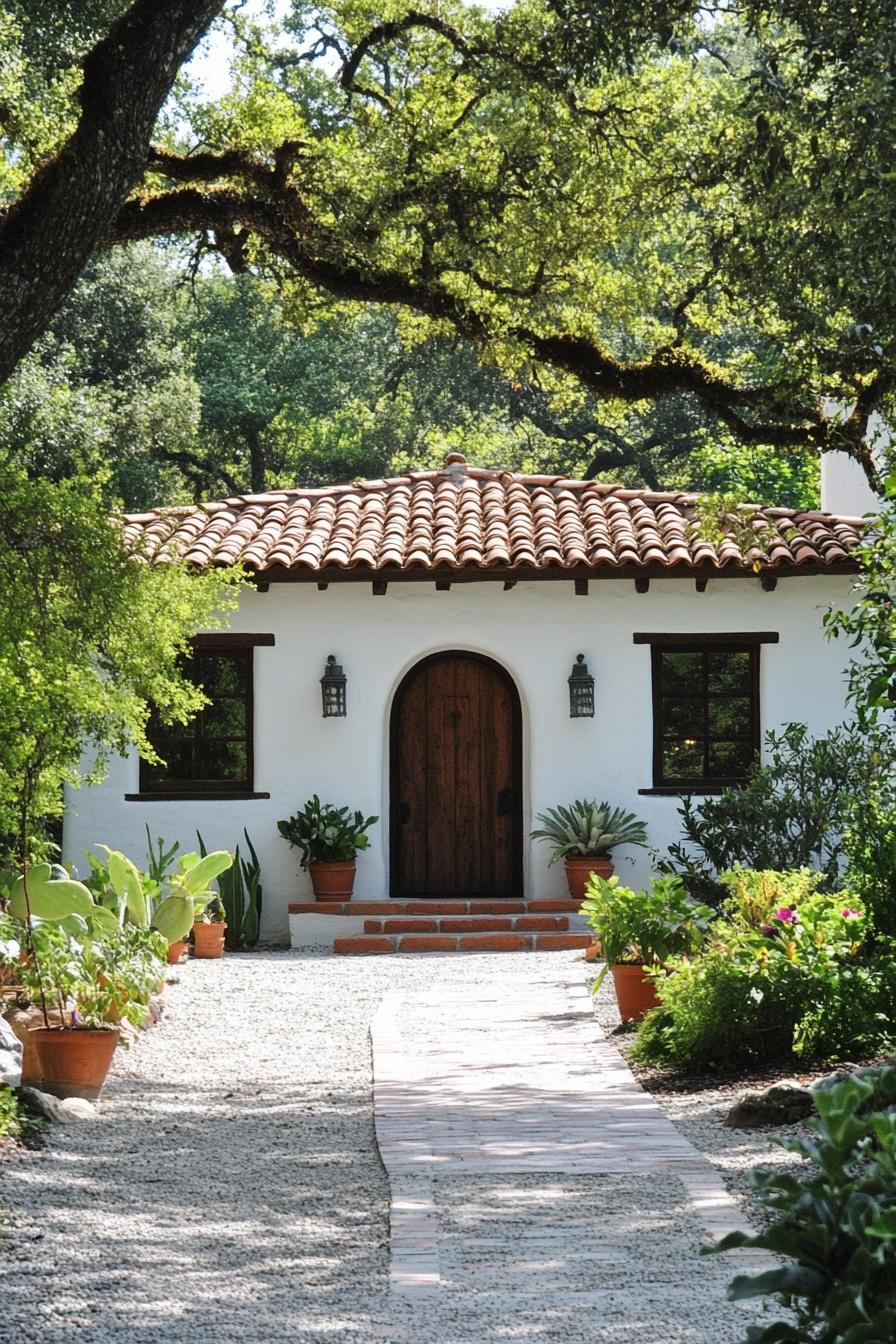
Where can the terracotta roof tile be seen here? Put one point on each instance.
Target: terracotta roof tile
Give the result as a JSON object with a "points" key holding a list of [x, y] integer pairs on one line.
{"points": [[465, 517]]}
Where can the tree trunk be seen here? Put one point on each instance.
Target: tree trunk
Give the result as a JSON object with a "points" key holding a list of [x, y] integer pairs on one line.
{"points": [[48, 235]]}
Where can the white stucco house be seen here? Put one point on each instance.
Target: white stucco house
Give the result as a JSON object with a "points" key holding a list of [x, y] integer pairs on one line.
{"points": [[457, 602]]}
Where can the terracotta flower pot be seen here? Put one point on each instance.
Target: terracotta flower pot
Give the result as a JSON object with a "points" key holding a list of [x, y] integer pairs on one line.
{"points": [[635, 993], [176, 953], [22, 1021], [74, 1061], [579, 868], [332, 881], [208, 940]]}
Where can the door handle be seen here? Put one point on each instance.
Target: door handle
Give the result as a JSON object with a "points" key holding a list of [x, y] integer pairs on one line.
{"points": [[504, 803]]}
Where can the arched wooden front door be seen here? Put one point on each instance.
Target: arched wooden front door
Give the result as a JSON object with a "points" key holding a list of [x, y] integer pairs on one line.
{"points": [[456, 767]]}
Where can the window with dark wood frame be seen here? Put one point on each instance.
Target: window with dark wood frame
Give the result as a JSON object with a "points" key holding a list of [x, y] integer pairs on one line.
{"points": [[706, 713], [214, 753]]}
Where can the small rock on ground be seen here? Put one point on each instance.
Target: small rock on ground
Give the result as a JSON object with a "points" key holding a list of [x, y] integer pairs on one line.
{"points": [[58, 1111]]}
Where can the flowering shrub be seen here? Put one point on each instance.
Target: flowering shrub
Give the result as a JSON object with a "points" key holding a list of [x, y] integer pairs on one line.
{"points": [[785, 972]]}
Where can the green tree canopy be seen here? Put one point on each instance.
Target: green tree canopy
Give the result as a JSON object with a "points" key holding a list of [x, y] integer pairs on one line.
{"points": [[592, 193], [89, 638], [163, 392]]}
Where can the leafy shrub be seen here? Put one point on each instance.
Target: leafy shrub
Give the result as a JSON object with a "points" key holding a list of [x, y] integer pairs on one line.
{"points": [[870, 844], [324, 833], [15, 1122], [785, 972], [98, 979], [790, 813], [835, 1223], [644, 927]]}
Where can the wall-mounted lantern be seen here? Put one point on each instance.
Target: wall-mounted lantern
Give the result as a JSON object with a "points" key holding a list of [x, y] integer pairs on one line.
{"points": [[332, 689], [581, 690]]}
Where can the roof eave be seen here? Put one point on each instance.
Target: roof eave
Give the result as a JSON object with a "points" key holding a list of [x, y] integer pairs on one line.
{"points": [[540, 573]]}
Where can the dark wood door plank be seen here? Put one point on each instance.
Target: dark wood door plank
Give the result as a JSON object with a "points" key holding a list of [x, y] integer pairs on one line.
{"points": [[456, 778]]}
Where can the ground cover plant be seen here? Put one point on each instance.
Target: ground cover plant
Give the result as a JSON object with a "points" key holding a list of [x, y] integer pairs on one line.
{"points": [[16, 1122], [787, 970], [833, 1222]]}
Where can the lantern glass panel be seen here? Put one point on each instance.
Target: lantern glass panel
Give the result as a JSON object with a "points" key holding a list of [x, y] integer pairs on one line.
{"points": [[332, 688], [581, 690]]}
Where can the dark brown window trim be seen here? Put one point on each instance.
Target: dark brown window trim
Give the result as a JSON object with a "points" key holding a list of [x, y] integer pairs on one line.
{"points": [[193, 796], [723, 637], [668, 643], [682, 790], [227, 640]]}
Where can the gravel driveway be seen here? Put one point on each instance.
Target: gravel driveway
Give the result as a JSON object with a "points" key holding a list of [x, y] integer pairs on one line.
{"points": [[231, 1189]]}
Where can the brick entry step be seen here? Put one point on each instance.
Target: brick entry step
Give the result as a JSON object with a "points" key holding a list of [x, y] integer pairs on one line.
{"points": [[379, 927], [460, 942]]}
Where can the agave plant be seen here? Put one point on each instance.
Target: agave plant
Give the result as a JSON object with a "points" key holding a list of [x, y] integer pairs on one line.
{"points": [[588, 827]]}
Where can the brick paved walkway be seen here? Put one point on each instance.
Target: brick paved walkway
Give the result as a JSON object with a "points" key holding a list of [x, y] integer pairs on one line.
{"points": [[497, 1114]]}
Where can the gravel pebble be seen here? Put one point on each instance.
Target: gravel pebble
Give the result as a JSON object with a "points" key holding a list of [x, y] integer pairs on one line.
{"points": [[700, 1116], [231, 1192]]}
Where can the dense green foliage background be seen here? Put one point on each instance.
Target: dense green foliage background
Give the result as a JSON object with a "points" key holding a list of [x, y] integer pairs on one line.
{"points": [[163, 389], [648, 243]]}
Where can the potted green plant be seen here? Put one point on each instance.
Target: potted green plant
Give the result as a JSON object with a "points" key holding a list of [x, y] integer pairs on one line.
{"points": [[170, 898], [328, 838], [583, 834], [89, 971], [638, 931], [241, 896], [209, 929]]}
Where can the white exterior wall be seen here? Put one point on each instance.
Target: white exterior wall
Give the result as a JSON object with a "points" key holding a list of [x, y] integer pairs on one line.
{"points": [[535, 631], [844, 487]]}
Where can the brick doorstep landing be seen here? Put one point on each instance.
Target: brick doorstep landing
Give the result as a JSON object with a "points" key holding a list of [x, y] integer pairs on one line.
{"points": [[372, 943], [470, 924], [443, 907]]}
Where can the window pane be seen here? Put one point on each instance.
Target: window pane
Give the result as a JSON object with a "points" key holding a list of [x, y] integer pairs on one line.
{"points": [[213, 750], [683, 718], [225, 718], [683, 759], [179, 760], [729, 760], [222, 673], [729, 718], [682, 672], [728, 671], [223, 761]]}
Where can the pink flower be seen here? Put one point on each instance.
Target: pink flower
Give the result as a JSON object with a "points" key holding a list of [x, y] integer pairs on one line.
{"points": [[786, 915], [851, 914], [766, 929]]}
